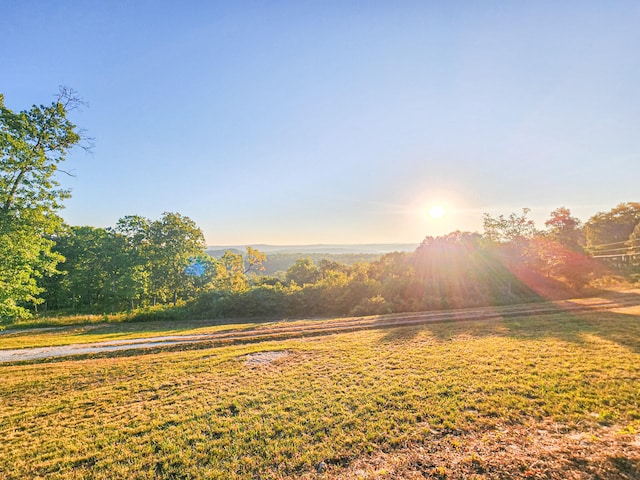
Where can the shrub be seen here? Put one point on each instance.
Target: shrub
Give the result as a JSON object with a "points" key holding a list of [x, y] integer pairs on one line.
{"points": [[376, 305]]}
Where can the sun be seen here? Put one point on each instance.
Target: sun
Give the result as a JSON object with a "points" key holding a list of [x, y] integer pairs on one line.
{"points": [[437, 211]]}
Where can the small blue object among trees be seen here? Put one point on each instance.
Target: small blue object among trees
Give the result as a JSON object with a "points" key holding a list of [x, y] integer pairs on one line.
{"points": [[196, 269]]}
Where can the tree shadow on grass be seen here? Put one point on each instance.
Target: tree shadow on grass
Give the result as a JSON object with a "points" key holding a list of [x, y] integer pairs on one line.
{"points": [[560, 323], [402, 334], [620, 327]]}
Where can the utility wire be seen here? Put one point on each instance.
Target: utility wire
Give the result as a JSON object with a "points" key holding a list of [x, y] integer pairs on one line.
{"points": [[608, 244], [615, 249], [626, 242], [617, 255]]}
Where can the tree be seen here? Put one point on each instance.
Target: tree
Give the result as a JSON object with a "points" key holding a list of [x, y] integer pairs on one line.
{"points": [[634, 241], [303, 272], [32, 145], [231, 272], [512, 229], [84, 278], [118, 267], [254, 260], [25, 257], [451, 268], [97, 271], [136, 232], [558, 261], [565, 229], [607, 233], [174, 241]]}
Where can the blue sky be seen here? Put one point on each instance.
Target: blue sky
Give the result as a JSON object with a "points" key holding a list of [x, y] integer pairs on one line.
{"points": [[336, 122]]}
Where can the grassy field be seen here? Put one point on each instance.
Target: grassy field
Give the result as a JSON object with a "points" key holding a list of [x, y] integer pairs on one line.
{"points": [[554, 396]]}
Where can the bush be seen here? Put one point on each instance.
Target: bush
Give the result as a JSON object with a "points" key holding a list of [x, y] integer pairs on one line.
{"points": [[209, 305], [160, 312], [260, 301], [372, 306]]}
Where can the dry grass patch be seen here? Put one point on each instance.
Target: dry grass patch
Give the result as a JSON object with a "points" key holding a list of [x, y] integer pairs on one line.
{"points": [[540, 450]]}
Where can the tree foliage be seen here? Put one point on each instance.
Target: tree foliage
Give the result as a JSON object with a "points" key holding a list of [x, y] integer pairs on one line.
{"points": [[303, 272], [33, 143], [511, 229], [142, 262], [565, 229], [135, 263], [174, 241], [607, 232]]}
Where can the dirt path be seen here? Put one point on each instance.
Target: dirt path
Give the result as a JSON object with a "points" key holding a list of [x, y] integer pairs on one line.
{"points": [[321, 327]]}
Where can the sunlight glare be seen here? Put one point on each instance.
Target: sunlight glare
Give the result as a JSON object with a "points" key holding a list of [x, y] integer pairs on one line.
{"points": [[437, 211]]}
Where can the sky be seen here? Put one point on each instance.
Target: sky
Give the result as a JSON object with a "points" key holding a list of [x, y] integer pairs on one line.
{"points": [[289, 122]]}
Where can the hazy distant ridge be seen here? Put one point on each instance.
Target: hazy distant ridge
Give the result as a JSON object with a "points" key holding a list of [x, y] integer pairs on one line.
{"points": [[375, 248]]}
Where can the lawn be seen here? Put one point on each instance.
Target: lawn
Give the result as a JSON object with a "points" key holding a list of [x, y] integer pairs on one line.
{"points": [[489, 399]]}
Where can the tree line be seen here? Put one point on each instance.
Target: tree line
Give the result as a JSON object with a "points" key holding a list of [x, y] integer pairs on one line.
{"points": [[139, 262], [510, 262]]}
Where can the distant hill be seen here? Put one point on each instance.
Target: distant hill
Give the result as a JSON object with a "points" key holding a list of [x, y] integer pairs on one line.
{"points": [[281, 257], [368, 248], [219, 251], [280, 262]]}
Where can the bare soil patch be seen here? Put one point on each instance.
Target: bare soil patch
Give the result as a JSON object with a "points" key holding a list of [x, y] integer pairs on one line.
{"points": [[264, 358]]}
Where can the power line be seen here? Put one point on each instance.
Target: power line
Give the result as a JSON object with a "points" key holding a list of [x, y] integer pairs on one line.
{"points": [[626, 242], [607, 244], [619, 255], [629, 247]]}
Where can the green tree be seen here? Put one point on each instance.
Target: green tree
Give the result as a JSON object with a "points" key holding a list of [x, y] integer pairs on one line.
{"points": [[607, 233], [136, 232], [303, 272], [84, 277], [634, 241], [125, 279], [451, 269], [98, 270], [254, 260], [231, 272], [175, 240], [26, 256], [512, 229], [33, 143]]}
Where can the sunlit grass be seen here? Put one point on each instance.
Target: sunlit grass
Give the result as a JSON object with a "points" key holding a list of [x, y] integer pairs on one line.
{"points": [[206, 414], [46, 321], [112, 331], [62, 319]]}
